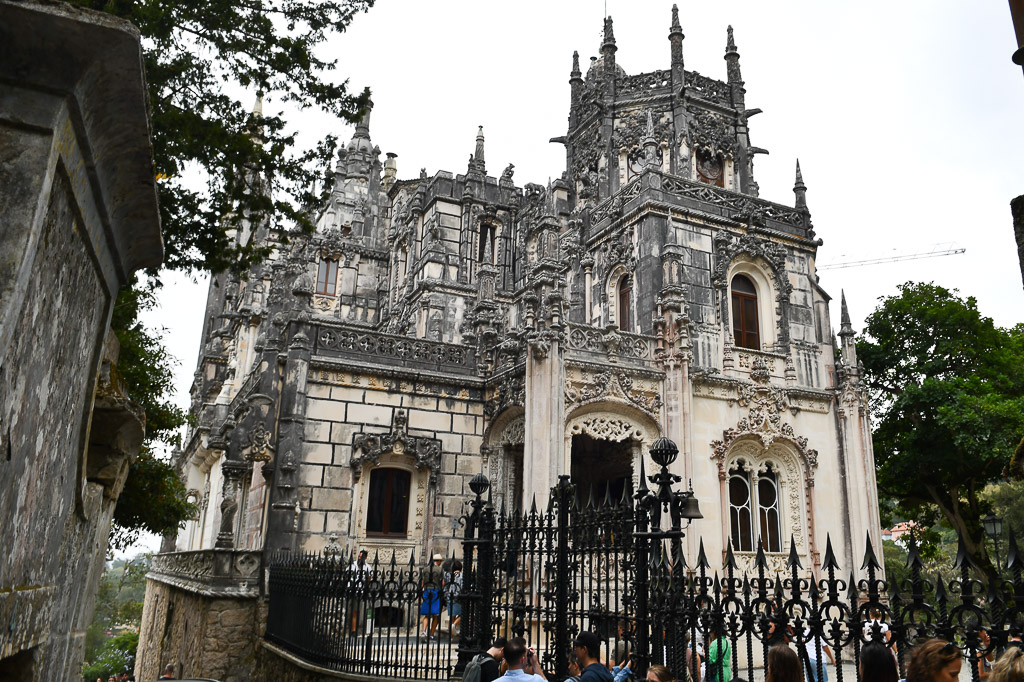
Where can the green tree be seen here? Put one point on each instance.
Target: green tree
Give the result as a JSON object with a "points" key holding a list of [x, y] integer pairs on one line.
{"points": [[216, 159], [119, 600], [948, 402], [115, 657]]}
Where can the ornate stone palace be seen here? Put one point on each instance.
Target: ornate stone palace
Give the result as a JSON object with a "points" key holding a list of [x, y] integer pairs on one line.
{"points": [[434, 328]]}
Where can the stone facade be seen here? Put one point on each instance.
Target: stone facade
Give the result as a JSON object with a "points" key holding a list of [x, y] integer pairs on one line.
{"points": [[79, 215], [437, 327]]}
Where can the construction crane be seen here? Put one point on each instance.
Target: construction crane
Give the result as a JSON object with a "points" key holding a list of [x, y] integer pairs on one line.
{"points": [[935, 252]]}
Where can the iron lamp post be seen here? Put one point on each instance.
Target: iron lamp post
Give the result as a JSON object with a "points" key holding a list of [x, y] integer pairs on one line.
{"points": [[993, 526]]}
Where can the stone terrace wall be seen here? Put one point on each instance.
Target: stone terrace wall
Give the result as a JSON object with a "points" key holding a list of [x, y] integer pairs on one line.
{"points": [[78, 216], [201, 636]]}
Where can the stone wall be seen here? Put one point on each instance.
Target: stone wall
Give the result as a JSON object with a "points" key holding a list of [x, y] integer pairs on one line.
{"points": [[201, 636], [79, 215]]}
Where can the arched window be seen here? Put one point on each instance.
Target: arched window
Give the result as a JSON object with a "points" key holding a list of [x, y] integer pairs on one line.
{"points": [[327, 277], [387, 502], [625, 308], [768, 511], [744, 313], [740, 517], [748, 492]]}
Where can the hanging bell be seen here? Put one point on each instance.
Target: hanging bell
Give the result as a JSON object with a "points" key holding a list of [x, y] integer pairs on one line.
{"points": [[691, 510]]}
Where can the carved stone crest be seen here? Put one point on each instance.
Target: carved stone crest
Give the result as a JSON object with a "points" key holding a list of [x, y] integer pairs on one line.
{"points": [[425, 451]]}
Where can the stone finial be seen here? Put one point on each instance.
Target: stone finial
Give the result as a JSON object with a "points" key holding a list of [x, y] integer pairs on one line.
{"points": [[609, 34], [676, 27], [363, 127], [800, 189], [575, 74], [730, 43]]}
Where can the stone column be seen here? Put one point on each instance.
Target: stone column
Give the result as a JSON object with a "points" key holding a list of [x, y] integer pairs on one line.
{"points": [[282, 523]]}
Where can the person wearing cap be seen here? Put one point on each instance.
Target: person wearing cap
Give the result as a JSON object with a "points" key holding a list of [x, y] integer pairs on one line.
{"points": [[430, 604], [587, 647]]}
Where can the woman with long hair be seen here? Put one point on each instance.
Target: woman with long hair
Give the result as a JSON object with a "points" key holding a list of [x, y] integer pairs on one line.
{"points": [[1009, 667], [783, 665], [877, 663], [936, 660]]}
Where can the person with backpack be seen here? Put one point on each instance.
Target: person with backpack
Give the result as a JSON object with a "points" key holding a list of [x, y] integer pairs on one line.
{"points": [[518, 658], [485, 667]]}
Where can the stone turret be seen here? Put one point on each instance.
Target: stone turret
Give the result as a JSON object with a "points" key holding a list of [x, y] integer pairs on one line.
{"points": [[675, 37]]}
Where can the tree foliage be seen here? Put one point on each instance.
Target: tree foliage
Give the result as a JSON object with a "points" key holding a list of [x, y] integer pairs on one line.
{"points": [[118, 607], [195, 52], [948, 402], [216, 158]]}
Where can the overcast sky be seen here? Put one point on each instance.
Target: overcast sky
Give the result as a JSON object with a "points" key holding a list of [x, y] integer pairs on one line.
{"points": [[905, 117]]}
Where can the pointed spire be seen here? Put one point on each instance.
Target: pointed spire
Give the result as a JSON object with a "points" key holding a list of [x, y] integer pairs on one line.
{"points": [[575, 74], [702, 559], [800, 189], [794, 558], [676, 27], [732, 60], [609, 34], [476, 163], [870, 560], [642, 489], [845, 326], [730, 559], [830, 556]]}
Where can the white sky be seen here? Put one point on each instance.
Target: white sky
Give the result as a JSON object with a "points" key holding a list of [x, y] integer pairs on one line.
{"points": [[905, 116]]}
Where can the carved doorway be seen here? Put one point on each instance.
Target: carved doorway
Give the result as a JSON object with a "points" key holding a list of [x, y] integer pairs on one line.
{"points": [[601, 468], [513, 456]]}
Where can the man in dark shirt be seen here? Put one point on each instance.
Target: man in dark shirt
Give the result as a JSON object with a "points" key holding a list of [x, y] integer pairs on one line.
{"points": [[587, 648], [490, 666]]}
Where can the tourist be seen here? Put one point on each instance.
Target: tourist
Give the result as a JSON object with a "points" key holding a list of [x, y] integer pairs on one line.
{"points": [[430, 606], [1009, 667], [359, 575], [936, 660], [718, 666], [985, 659], [877, 663], [168, 672], [491, 660], [623, 671], [783, 665], [659, 673], [812, 645], [587, 647], [452, 590], [520, 660], [574, 669]]}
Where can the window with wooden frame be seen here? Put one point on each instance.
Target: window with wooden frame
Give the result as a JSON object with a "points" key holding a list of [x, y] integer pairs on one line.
{"points": [[744, 313], [327, 277], [625, 308], [387, 502]]}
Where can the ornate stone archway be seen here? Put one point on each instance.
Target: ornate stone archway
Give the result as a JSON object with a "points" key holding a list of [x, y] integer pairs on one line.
{"points": [[613, 422]]}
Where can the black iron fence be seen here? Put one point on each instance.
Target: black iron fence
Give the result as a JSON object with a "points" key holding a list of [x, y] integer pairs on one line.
{"points": [[616, 568], [372, 618]]}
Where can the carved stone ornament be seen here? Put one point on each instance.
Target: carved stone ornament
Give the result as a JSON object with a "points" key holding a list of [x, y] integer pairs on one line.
{"points": [[611, 384], [511, 391], [710, 132], [514, 433], [256, 446], [426, 452], [607, 428], [728, 247], [763, 422]]}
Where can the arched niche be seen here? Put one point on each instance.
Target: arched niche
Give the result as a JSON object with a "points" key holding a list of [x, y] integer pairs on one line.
{"points": [[624, 429]]}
